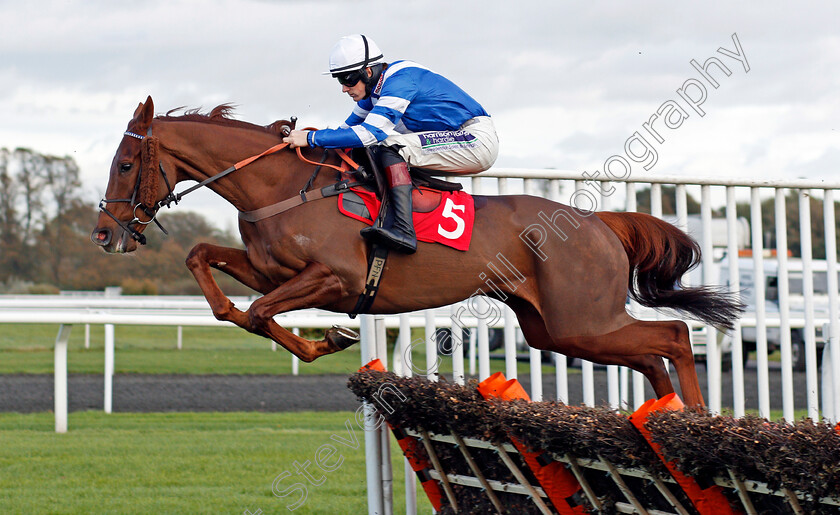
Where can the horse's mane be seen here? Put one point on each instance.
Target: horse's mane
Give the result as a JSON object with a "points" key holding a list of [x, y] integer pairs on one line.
{"points": [[220, 115]]}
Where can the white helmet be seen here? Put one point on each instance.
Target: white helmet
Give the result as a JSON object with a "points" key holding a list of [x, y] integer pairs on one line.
{"points": [[354, 53]]}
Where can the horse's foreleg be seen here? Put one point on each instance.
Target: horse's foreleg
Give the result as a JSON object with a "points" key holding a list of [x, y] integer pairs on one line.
{"points": [[233, 262], [315, 285]]}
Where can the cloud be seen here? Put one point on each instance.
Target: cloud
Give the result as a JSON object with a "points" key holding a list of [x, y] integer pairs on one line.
{"points": [[825, 164], [567, 84]]}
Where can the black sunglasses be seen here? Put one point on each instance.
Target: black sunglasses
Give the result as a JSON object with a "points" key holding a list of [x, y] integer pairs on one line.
{"points": [[349, 79]]}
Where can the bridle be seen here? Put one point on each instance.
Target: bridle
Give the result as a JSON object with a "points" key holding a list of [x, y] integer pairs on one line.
{"points": [[173, 198], [149, 211]]}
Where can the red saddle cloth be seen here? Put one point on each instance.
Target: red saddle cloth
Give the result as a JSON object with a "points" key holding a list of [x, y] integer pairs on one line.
{"points": [[444, 217]]}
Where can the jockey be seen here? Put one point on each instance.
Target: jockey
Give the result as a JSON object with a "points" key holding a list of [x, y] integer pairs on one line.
{"points": [[408, 115]]}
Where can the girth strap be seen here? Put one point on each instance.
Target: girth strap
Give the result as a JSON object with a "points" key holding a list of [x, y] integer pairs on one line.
{"points": [[376, 267]]}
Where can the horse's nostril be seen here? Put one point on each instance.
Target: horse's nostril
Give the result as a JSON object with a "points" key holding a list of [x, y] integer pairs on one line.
{"points": [[101, 237]]}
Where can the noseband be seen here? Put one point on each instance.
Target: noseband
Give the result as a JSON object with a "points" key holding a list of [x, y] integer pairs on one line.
{"points": [[149, 211]]}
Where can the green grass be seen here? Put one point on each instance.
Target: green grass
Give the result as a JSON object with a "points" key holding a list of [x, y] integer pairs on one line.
{"points": [[183, 463], [186, 463], [28, 349]]}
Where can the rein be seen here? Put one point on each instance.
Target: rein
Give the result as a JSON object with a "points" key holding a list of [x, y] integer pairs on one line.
{"points": [[176, 197], [150, 147]]}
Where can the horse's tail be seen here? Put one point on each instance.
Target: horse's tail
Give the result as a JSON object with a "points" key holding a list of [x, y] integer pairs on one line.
{"points": [[660, 254]]}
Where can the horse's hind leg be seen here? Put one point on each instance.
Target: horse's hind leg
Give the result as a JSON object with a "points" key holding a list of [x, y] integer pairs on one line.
{"points": [[652, 367], [639, 345], [631, 344]]}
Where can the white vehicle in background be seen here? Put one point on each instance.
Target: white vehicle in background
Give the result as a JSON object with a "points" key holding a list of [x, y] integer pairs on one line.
{"points": [[796, 302], [719, 244]]}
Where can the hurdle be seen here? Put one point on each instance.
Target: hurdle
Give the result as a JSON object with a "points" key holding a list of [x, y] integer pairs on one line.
{"points": [[660, 460]]}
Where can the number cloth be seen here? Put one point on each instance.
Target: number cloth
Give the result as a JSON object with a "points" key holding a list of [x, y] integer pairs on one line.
{"points": [[450, 223]]}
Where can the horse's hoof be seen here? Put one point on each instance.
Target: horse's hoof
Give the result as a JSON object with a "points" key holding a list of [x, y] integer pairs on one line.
{"points": [[342, 337]]}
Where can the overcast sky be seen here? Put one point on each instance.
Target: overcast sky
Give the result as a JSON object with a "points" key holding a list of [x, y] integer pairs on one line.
{"points": [[566, 83]]}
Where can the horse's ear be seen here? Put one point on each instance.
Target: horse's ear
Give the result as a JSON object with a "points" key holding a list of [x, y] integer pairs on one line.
{"points": [[147, 112]]}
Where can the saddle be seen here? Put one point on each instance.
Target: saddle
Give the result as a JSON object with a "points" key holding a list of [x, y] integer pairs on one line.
{"points": [[370, 173]]}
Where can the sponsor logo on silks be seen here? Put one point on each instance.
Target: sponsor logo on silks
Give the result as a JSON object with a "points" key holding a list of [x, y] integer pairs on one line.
{"points": [[377, 91], [432, 142]]}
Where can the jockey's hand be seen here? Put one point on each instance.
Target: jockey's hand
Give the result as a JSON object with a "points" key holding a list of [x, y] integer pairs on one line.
{"points": [[297, 139]]}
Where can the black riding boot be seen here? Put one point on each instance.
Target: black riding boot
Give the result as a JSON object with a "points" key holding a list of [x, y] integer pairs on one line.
{"points": [[397, 231]]}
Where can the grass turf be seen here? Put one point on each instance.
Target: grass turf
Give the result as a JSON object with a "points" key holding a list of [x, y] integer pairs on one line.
{"points": [[28, 349], [186, 463]]}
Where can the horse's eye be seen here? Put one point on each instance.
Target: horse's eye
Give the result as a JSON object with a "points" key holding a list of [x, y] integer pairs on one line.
{"points": [[125, 167]]}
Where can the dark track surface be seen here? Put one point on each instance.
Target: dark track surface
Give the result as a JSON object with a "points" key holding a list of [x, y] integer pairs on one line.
{"points": [[156, 393]]}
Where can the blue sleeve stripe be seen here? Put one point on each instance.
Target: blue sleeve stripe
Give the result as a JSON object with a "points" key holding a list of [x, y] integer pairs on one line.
{"points": [[353, 119], [360, 112], [367, 136], [395, 103], [381, 122], [356, 136], [336, 138]]}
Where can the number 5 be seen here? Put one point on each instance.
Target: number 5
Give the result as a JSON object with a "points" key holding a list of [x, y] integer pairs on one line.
{"points": [[449, 212]]}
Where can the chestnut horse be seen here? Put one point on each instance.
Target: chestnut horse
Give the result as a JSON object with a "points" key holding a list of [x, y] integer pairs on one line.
{"points": [[565, 273]]}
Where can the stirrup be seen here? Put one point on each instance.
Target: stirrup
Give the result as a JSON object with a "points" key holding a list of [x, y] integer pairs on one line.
{"points": [[405, 243]]}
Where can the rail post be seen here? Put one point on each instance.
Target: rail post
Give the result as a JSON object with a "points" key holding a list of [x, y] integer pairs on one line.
{"points": [[109, 367], [373, 445], [60, 379]]}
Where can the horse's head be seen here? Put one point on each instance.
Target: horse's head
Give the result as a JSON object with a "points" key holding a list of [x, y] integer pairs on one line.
{"points": [[135, 189]]}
